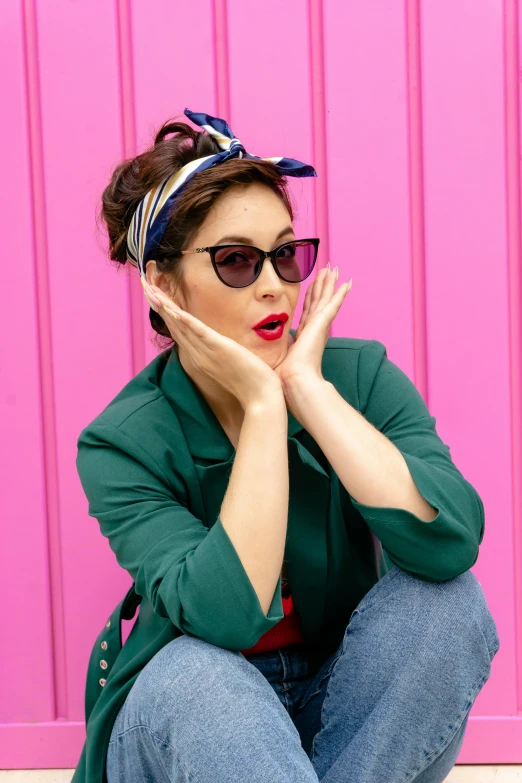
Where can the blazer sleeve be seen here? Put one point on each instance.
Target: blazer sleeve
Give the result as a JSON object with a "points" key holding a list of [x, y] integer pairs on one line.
{"points": [[448, 545], [190, 573]]}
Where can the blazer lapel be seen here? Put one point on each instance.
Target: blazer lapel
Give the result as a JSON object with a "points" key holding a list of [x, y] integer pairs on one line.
{"points": [[213, 454]]}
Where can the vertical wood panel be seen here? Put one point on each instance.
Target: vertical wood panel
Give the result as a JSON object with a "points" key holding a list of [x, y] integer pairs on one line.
{"points": [[81, 124], [468, 337], [513, 37], [24, 577], [170, 76], [367, 139]]}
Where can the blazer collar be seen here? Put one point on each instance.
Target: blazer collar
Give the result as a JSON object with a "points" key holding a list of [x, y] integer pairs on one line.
{"points": [[203, 432]]}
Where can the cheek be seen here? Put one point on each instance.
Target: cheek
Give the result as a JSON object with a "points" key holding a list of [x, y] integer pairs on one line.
{"points": [[294, 299], [222, 314]]}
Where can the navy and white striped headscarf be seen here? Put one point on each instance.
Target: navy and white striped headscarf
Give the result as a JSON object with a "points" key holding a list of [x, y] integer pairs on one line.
{"points": [[153, 213]]}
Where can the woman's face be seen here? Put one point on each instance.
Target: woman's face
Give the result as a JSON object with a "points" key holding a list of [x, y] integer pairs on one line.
{"points": [[252, 215]]}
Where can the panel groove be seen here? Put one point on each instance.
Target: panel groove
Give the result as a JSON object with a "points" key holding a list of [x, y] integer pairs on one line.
{"points": [[45, 353], [512, 107], [318, 108], [222, 80], [128, 134], [417, 239]]}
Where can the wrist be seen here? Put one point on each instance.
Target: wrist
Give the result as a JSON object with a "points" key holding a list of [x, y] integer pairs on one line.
{"points": [[270, 401], [302, 383]]}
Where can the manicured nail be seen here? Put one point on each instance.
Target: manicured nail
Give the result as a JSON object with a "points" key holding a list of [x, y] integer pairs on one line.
{"points": [[349, 284], [149, 293], [172, 313], [328, 266], [336, 272]]}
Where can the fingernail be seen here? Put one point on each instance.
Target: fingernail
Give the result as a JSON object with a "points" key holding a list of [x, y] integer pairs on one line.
{"points": [[154, 298], [328, 266], [336, 272], [149, 297], [149, 293], [349, 284], [172, 313]]}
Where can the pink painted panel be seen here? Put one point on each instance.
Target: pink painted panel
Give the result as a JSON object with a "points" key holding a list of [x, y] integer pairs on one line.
{"points": [[159, 92], [466, 275], [89, 301], [417, 199], [409, 178], [26, 650]]}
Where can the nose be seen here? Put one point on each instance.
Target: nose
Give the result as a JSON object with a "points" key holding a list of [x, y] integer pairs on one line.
{"points": [[268, 270]]}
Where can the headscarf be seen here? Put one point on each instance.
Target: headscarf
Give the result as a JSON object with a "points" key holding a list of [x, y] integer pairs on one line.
{"points": [[154, 211]]}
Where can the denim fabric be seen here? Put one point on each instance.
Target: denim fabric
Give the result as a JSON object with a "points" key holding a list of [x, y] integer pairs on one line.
{"points": [[389, 705]]}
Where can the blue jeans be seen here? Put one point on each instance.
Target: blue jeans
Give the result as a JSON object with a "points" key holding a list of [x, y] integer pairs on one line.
{"points": [[389, 705]]}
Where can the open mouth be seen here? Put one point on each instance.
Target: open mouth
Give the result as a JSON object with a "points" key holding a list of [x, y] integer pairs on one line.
{"points": [[271, 325]]}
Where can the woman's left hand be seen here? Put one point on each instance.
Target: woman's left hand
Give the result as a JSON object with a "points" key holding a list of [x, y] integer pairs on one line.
{"points": [[322, 303]]}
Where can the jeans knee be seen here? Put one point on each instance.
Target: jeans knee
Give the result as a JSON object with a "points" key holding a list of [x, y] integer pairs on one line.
{"points": [[472, 599], [188, 658], [451, 614], [458, 604], [180, 668]]}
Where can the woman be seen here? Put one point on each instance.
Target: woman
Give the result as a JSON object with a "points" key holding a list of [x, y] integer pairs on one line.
{"points": [[298, 536]]}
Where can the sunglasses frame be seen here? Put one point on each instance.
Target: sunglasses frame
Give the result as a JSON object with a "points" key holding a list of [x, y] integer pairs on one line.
{"points": [[263, 254]]}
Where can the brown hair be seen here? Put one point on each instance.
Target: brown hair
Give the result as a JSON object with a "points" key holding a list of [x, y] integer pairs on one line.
{"points": [[133, 178]]}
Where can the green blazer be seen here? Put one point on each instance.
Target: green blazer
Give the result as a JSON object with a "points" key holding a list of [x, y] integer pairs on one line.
{"points": [[155, 465]]}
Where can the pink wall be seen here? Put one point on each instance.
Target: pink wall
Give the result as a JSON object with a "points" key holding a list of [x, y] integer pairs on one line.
{"points": [[410, 113]]}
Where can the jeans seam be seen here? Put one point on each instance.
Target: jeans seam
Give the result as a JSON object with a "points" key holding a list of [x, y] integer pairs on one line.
{"points": [[327, 675], [312, 750], [159, 739], [282, 657]]}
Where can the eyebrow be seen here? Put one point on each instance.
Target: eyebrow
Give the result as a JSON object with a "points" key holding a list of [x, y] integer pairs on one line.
{"points": [[248, 240]]}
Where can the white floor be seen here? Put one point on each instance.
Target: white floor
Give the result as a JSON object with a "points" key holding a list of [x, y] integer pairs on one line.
{"points": [[505, 773]]}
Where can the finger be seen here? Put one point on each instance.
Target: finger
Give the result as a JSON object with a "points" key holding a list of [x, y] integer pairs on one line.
{"points": [[330, 310], [307, 305], [152, 306], [318, 288], [328, 291], [338, 298], [178, 331], [307, 301], [191, 328], [171, 314]]}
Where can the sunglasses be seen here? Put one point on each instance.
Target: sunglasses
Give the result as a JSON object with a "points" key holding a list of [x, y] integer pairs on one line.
{"points": [[239, 265]]}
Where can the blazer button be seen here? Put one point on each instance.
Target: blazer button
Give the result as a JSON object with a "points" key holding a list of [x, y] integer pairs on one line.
{"points": [[104, 664], [104, 645], [108, 624], [102, 681]]}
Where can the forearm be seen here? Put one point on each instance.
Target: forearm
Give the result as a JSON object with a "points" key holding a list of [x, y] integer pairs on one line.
{"points": [[254, 512], [370, 467]]}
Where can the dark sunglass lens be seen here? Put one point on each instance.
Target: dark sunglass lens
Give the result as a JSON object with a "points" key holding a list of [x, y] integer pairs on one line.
{"points": [[295, 260], [237, 265]]}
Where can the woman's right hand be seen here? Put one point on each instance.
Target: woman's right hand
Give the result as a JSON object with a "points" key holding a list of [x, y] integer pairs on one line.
{"points": [[220, 358]]}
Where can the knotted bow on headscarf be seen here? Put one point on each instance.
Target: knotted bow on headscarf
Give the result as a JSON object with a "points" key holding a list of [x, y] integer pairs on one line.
{"points": [[153, 213]]}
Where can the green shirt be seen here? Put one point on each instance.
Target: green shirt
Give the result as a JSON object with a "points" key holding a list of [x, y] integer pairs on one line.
{"points": [[155, 466]]}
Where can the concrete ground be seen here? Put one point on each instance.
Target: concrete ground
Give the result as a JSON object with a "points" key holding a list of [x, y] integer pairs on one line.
{"points": [[504, 773]]}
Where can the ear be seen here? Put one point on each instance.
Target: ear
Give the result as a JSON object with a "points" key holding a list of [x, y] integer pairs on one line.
{"points": [[159, 279], [152, 273]]}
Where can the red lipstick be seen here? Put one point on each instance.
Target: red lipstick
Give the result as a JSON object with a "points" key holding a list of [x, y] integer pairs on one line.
{"points": [[271, 327]]}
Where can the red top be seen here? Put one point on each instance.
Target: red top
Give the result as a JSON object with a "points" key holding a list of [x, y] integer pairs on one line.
{"points": [[285, 633]]}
